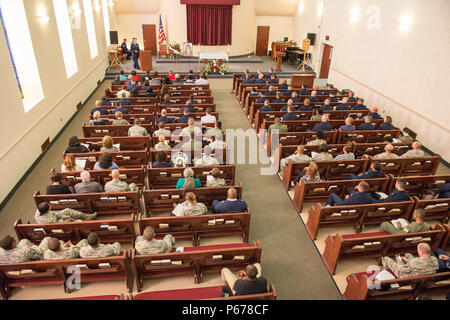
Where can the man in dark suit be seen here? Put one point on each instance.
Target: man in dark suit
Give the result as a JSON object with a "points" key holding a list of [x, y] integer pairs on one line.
{"points": [[295, 98], [247, 80], [333, 98], [105, 103], [273, 79], [313, 97], [354, 198], [289, 104], [359, 105], [188, 107], [185, 117], [99, 108], [343, 105], [374, 113], [253, 93], [278, 98], [283, 85], [387, 124], [326, 105], [289, 116], [304, 91], [266, 106], [132, 86], [398, 195], [351, 98], [288, 92], [348, 125], [231, 205], [136, 53], [260, 79], [119, 108], [271, 92], [306, 106], [164, 118], [125, 50], [373, 173], [367, 125], [261, 98], [324, 125]]}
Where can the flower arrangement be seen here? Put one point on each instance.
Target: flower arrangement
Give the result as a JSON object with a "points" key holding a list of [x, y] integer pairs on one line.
{"points": [[214, 66], [175, 50]]}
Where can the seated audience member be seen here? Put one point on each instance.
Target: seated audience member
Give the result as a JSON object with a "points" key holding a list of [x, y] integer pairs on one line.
{"points": [[444, 191], [190, 75], [443, 260], [70, 164], [217, 143], [324, 125], [191, 128], [260, 79], [116, 185], [206, 160], [44, 215], [246, 73], [343, 105], [289, 103], [188, 106], [318, 113], [165, 90], [203, 80], [346, 155], [137, 130], [359, 105], [326, 105], [273, 79], [133, 85], [166, 99], [330, 89], [116, 81], [318, 141], [105, 162], [283, 85], [418, 225], [161, 161], [75, 146], [398, 195], [278, 98], [214, 180], [374, 172], [119, 108], [60, 250], [171, 75], [351, 98], [216, 131], [208, 118], [120, 121], [348, 125], [374, 113], [415, 152], [247, 80], [410, 266], [323, 154], [104, 102], [311, 174], [191, 207], [97, 121], [134, 75], [122, 76], [193, 143], [277, 126], [231, 205], [266, 107], [162, 145], [261, 98], [147, 244], [387, 154], [298, 156], [258, 74], [313, 97], [306, 106], [290, 115], [267, 86], [271, 92], [162, 131], [288, 92], [164, 118], [12, 252], [155, 80], [86, 185], [184, 118], [253, 92], [57, 187], [98, 107], [387, 124], [248, 282], [295, 98], [124, 99], [367, 125], [94, 249], [108, 145], [361, 196], [304, 91], [405, 137], [188, 182], [333, 98]]}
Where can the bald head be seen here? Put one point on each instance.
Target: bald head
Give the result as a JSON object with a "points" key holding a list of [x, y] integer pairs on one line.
{"points": [[300, 149], [115, 174], [389, 148], [232, 194], [85, 176], [97, 103], [416, 145]]}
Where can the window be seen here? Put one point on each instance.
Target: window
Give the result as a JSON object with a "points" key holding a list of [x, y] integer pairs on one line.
{"points": [[65, 37], [106, 20], [18, 38], [90, 28]]}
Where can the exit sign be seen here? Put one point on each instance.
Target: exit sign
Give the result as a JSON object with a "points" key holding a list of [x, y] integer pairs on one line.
{"points": [[327, 38]]}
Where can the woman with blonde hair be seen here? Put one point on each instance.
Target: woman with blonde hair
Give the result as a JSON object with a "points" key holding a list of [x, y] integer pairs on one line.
{"points": [[70, 165], [108, 145], [162, 145], [311, 174], [96, 120], [191, 207], [188, 182], [119, 121]]}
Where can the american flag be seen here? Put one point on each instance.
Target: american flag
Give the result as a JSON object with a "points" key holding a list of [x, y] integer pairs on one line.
{"points": [[161, 35]]}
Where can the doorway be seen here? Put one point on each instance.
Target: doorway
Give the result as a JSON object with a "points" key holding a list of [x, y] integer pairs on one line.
{"points": [[149, 35], [262, 40], [326, 61]]}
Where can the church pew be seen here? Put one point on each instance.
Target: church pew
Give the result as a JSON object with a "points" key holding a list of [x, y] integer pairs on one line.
{"points": [[174, 92], [58, 272], [409, 166], [374, 148], [162, 200], [196, 115], [435, 209], [296, 138], [166, 178], [194, 260], [354, 246], [405, 288], [198, 107], [136, 176], [419, 185], [110, 203], [356, 215], [124, 159], [328, 170], [222, 155], [135, 100], [76, 231], [126, 143], [367, 136], [176, 139], [288, 150], [192, 87], [135, 108], [198, 227], [319, 191], [172, 127], [146, 118], [110, 130]]}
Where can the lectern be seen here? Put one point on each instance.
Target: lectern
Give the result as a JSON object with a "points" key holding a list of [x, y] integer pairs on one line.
{"points": [[280, 55], [146, 60]]}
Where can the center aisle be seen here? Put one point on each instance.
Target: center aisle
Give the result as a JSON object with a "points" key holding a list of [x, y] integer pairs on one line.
{"points": [[289, 258]]}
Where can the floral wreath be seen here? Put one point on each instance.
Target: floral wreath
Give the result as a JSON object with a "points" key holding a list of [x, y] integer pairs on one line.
{"points": [[215, 66]]}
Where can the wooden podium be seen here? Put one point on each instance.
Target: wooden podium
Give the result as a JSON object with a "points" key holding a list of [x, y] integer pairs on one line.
{"points": [[303, 78], [280, 55], [146, 60]]}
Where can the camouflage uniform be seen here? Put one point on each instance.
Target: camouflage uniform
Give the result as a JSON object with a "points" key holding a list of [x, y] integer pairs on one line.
{"points": [[206, 162], [323, 156], [316, 142], [406, 139], [414, 153], [137, 131], [154, 246], [161, 146], [316, 117], [412, 227], [295, 158], [194, 144], [215, 182], [162, 132], [120, 122], [214, 132], [385, 155], [21, 253], [280, 127], [64, 253], [119, 186], [217, 144], [193, 209], [187, 131], [65, 215], [414, 267], [103, 250]]}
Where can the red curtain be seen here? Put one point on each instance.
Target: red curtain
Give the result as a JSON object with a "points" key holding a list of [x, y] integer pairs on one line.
{"points": [[209, 24]]}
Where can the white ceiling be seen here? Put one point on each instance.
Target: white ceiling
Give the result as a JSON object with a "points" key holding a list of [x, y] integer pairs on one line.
{"points": [[263, 7]]}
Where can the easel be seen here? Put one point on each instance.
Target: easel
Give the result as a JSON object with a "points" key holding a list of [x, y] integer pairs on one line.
{"points": [[115, 63], [305, 48]]}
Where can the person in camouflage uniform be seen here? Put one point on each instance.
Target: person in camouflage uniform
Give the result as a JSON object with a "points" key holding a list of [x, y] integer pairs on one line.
{"points": [[120, 121], [277, 126], [410, 266], [206, 160], [115, 185], [324, 155], [298, 156], [96, 250], [59, 250], [162, 145], [415, 152], [147, 244], [216, 131], [44, 215], [24, 251], [137, 130], [387, 154], [162, 131], [318, 141], [215, 180], [417, 226], [191, 207]]}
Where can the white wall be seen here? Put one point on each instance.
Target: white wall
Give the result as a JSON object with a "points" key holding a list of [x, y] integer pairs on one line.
{"points": [[23, 133], [405, 72], [280, 27]]}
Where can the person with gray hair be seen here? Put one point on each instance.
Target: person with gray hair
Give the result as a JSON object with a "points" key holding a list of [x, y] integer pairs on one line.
{"points": [[188, 182], [147, 244], [415, 152], [116, 185], [86, 185], [410, 266], [137, 130]]}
